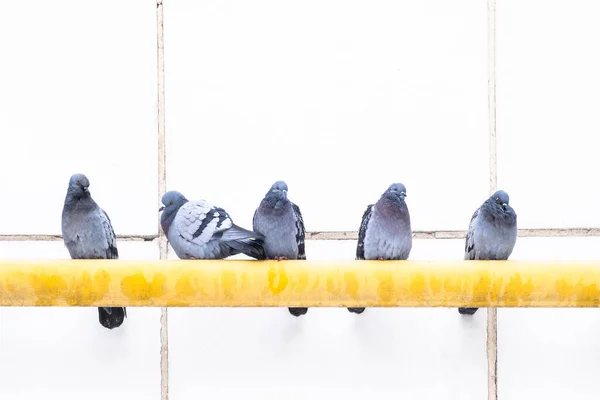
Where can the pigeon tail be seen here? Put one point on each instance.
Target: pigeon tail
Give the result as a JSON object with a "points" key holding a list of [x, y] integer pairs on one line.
{"points": [[111, 317], [297, 311], [467, 311], [356, 310], [246, 242]]}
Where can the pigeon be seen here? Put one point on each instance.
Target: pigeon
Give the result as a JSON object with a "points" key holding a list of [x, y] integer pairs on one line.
{"points": [[385, 232], [88, 234], [199, 230], [280, 222], [492, 233]]}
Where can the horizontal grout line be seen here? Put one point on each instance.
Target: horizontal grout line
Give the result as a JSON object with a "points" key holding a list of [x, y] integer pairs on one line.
{"points": [[56, 238], [459, 234], [342, 235]]}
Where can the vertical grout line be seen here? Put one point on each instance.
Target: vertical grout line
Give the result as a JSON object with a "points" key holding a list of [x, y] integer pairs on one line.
{"points": [[492, 94], [492, 313], [162, 184]]}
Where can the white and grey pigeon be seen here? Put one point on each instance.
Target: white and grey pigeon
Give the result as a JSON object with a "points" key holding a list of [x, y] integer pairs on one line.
{"points": [[385, 232], [492, 233], [280, 222], [88, 234], [200, 230]]}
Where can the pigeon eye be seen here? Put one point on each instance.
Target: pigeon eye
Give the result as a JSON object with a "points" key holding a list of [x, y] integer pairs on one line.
{"points": [[170, 203], [78, 183]]}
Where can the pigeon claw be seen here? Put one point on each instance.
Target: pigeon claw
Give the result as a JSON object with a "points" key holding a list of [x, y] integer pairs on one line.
{"points": [[277, 258], [380, 259]]}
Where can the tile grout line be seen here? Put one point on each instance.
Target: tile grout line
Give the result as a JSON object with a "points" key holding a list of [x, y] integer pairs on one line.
{"points": [[333, 235], [162, 183], [492, 313]]}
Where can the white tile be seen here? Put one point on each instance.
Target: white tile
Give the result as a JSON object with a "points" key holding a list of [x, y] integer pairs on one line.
{"points": [[339, 98], [549, 353], [64, 352], [557, 248], [78, 95], [423, 249], [547, 71], [328, 353], [128, 250]]}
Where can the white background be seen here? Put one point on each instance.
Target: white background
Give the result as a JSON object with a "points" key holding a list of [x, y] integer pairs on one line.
{"points": [[340, 99]]}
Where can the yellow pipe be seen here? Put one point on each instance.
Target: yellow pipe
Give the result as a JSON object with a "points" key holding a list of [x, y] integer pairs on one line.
{"points": [[241, 283]]}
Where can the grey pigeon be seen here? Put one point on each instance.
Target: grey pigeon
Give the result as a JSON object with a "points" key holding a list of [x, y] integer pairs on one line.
{"points": [[88, 234], [280, 222], [492, 233], [199, 230], [385, 232]]}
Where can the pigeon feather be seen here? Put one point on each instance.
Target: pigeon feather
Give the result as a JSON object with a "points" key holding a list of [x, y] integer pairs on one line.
{"points": [[362, 232]]}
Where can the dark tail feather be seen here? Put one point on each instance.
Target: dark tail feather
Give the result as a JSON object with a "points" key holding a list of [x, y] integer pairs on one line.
{"points": [[297, 311], [246, 242], [356, 310], [467, 311], [112, 317], [251, 248]]}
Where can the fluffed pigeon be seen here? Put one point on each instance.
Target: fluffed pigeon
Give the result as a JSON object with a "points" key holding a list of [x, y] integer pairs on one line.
{"points": [[199, 230], [88, 234], [281, 223], [385, 232], [492, 233]]}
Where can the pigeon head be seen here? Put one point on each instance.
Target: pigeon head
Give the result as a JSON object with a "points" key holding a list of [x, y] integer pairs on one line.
{"points": [[501, 199], [172, 202], [279, 188], [396, 192], [277, 194], [78, 187]]}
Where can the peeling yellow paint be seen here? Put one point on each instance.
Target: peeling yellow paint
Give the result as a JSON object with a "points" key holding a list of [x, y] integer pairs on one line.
{"points": [[47, 288], [303, 279], [229, 282], [183, 288], [300, 283], [136, 286], [277, 278], [386, 291], [331, 286], [351, 284], [85, 290]]}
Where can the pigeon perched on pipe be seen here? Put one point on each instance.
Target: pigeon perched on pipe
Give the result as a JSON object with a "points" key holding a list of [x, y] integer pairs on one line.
{"points": [[385, 232], [280, 222], [88, 234], [200, 230], [492, 233]]}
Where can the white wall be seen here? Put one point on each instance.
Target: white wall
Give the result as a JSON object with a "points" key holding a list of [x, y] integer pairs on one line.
{"points": [[338, 98]]}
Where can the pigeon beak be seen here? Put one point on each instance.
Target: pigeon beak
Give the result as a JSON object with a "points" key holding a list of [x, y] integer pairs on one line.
{"points": [[162, 208], [85, 189], [504, 206]]}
